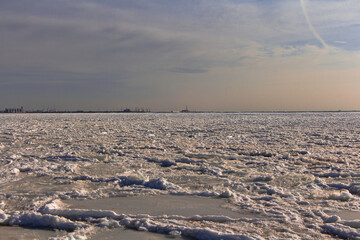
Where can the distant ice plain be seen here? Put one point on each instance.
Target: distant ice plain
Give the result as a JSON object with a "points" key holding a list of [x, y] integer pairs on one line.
{"points": [[280, 175]]}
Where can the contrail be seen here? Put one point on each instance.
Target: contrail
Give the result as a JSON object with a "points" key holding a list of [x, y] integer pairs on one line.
{"points": [[312, 29]]}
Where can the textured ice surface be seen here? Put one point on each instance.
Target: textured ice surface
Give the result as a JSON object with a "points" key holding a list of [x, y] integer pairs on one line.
{"points": [[296, 174]]}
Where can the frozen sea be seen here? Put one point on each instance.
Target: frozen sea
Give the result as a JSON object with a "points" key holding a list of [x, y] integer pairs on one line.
{"points": [[180, 176]]}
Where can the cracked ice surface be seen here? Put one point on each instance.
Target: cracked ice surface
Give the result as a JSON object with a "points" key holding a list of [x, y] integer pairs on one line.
{"points": [[286, 176]]}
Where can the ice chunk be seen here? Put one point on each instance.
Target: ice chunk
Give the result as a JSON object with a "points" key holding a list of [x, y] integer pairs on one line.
{"points": [[333, 219], [131, 180], [38, 220], [355, 188], [353, 224], [185, 160], [15, 171], [168, 163], [339, 185], [162, 184], [341, 231], [226, 194], [263, 179], [77, 214], [3, 217], [342, 196]]}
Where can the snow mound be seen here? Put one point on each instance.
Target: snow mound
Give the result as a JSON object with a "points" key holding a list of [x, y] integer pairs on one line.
{"points": [[38, 220], [161, 184], [341, 231]]}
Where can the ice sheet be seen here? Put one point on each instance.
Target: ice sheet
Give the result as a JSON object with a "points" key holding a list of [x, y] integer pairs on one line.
{"points": [[240, 176]]}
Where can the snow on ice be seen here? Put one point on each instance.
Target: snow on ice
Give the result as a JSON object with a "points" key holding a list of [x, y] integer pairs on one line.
{"points": [[268, 175]]}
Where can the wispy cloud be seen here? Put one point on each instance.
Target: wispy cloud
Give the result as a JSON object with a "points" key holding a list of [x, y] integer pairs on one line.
{"points": [[312, 29]]}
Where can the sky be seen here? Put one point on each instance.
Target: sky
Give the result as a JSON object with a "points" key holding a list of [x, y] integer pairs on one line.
{"points": [[211, 55]]}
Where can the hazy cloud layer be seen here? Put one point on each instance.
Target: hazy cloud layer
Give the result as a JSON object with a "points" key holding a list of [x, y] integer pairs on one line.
{"points": [[164, 54]]}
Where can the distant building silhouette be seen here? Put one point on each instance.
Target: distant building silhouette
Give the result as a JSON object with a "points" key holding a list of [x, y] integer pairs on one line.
{"points": [[14, 110], [185, 110]]}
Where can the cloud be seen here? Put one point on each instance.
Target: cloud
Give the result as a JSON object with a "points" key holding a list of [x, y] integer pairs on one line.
{"points": [[92, 36], [67, 45], [311, 27], [116, 42], [149, 50]]}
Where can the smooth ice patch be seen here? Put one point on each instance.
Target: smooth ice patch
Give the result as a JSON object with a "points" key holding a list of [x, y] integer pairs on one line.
{"points": [[186, 206], [19, 233], [348, 215], [131, 234], [35, 185]]}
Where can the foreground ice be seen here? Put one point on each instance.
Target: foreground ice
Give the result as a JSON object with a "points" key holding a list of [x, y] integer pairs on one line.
{"points": [[202, 176]]}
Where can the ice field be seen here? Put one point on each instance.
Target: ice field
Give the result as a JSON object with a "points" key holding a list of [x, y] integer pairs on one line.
{"points": [[180, 176]]}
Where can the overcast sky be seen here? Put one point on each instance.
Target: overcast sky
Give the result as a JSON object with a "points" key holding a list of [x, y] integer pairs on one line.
{"points": [[233, 55]]}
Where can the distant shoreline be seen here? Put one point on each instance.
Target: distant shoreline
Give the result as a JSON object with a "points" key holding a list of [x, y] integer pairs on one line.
{"points": [[177, 112]]}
